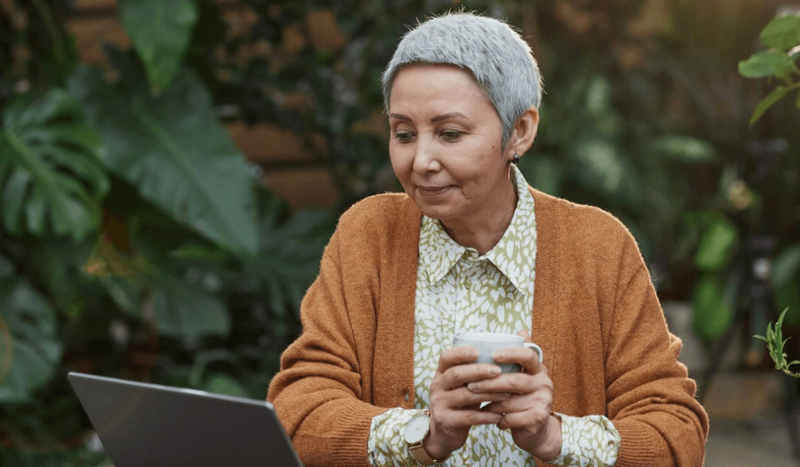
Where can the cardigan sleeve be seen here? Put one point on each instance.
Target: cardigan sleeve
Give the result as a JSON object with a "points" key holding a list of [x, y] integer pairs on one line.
{"points": [[317, 394], [650, 398]]}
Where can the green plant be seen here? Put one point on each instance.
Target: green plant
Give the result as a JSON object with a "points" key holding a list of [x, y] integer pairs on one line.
{"points": [[775, 343], [134, 238], [160, 32], [52, 176], [741, 224], [782, 38]]}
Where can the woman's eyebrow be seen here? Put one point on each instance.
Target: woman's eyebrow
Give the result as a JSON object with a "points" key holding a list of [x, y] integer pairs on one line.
{"points": [[448, 116], [437, 118]]}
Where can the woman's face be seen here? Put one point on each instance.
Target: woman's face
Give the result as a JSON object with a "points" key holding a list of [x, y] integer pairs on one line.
{"points": [[445, 147]]}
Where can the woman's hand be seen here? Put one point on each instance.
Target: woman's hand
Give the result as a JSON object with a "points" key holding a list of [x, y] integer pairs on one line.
{"points": [[454, 408], [527, 412]]}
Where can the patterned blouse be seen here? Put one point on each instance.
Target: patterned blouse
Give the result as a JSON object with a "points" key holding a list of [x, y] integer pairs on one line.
{"points": [[458, 290]]}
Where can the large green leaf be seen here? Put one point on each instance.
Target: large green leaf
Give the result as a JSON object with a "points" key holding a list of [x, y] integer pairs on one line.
{"points": [[288, 261], [184, 311], [767, 63], [172, 148], [717, 245], [180, 309], [160, 31], [30, 350], [782, 33], [58, 263], [52, 179], [712, 308]]}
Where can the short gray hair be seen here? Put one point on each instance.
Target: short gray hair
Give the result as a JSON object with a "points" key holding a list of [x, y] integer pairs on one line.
{"points": [[497, 56]]}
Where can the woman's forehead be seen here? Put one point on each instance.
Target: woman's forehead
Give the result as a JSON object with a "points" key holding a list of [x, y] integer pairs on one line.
{"points": [[446, 89], [434, 74]]}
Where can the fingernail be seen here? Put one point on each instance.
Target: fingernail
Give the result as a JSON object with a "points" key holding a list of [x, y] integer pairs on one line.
{"points": [[499, 354], [494, 371], [474, 386]]}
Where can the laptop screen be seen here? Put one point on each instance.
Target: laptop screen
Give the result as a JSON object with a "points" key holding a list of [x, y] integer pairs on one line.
{"points": [[150, 425]]}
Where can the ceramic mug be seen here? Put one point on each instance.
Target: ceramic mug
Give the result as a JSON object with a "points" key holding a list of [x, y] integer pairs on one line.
{"points": [[488, 342]]}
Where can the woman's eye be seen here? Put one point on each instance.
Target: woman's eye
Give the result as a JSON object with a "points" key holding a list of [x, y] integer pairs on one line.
{"points": [[450, 135], [403, 136]]}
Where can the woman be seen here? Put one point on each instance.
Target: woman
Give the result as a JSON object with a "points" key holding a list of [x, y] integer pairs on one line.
{"points": [[470, 247]]}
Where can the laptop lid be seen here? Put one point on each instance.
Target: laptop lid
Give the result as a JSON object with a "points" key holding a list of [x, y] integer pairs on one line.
{"points": [[144, 424]]}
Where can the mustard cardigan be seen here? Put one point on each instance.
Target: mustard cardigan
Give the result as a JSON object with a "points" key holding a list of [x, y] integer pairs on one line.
{"points": [[596, 316]]}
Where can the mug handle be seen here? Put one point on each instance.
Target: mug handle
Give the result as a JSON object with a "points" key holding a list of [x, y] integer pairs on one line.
{"points": [[536, 349]]}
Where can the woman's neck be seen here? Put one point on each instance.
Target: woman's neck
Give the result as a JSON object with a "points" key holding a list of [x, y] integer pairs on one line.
{"points": [[484, 230]]}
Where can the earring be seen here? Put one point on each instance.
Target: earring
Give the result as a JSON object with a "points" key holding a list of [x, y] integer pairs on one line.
{"points": [[515, 160]]}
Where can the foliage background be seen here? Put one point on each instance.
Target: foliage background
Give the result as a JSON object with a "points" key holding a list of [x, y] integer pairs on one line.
{"points": [[137, 241]]}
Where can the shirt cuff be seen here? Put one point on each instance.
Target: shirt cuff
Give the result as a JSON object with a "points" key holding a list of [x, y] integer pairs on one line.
{"points": [[587, 441], [386, 445]]}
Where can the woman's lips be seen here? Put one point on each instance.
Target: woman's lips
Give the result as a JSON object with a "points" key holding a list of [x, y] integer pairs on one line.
{"points": [[433, 190]]}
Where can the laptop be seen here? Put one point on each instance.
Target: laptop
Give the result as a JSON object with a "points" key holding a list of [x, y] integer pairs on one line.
{"points": [[148, 425]]}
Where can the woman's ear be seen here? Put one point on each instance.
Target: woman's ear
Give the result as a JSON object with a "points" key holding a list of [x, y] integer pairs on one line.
{"points": [[524, 132]]}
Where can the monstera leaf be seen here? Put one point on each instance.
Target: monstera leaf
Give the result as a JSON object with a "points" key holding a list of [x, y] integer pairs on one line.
{"points": [[51, 176], [29, 347], [288, 259], [173, 150], [180, 310], [146, 281], [185, 311], [160, 31]]}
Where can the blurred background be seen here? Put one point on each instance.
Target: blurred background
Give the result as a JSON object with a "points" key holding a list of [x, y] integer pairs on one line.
{"points": [[170, 171]]}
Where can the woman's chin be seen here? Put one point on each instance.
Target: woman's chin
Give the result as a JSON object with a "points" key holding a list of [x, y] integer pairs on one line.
{"points": [[441, 213]]}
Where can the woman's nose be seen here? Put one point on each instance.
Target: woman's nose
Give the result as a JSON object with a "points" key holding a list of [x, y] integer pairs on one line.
{"points": [[426, 157]]}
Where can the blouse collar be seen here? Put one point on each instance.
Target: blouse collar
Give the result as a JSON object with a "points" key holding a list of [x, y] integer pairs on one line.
{"points": [[514, 255]]}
